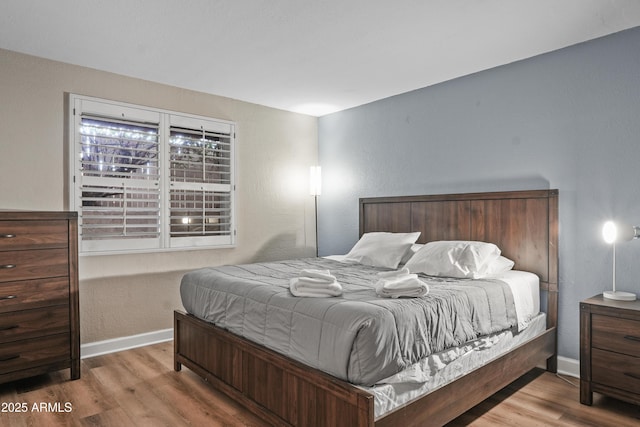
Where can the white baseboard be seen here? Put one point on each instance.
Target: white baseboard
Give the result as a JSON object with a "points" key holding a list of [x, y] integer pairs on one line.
{"points": [[124, 343], [567, 366]]}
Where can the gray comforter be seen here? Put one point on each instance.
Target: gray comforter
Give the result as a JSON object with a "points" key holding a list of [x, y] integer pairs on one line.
{"points": [[358, 336]]}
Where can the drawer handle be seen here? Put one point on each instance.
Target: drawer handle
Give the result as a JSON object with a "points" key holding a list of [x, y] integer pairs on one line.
{"points": [[7, 266], [8, 328], [8, 297], [631, 337], [7, 358], [7, 236]]}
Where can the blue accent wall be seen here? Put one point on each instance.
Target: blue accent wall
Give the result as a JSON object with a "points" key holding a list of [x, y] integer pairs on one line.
{"points": [[569, 119]]}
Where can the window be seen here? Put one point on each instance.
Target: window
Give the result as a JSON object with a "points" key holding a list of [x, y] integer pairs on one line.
{"points": [[201, 179], [149, 179]]}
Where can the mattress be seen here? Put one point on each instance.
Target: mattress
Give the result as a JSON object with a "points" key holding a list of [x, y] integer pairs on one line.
{"points": [[358, 337]]}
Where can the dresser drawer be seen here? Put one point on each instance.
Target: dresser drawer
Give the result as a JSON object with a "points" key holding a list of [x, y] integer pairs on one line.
{"points": [[30, 294], [18, 235], [616, 370], [20, 325], [26, 354], [39, 312], [33, 264], [615, 334]]}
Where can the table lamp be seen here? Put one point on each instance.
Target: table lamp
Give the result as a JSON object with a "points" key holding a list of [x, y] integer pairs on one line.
{"points": [[613, 232]]}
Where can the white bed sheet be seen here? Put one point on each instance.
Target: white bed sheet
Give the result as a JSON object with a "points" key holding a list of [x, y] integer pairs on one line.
{"points": [[525, 287]]}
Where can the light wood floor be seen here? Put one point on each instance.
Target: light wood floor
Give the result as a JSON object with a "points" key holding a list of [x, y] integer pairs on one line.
{"points": [[139, 388]]}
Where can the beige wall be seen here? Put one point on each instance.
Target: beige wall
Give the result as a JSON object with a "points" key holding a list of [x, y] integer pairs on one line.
{"points": [[122, 295]]}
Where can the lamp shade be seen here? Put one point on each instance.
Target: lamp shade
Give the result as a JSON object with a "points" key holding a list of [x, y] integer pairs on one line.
{"points": [[315, 181], [613, 231]]}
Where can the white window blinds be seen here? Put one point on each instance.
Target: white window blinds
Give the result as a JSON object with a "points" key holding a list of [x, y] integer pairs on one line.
{"points": [[200, 163], [146, 179]]}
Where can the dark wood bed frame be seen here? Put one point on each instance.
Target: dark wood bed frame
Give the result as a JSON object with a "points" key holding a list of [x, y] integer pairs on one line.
{"points": [[524, 224]]}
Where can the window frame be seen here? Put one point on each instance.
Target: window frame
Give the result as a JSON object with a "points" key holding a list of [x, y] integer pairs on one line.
{"points": [[114, 110]]}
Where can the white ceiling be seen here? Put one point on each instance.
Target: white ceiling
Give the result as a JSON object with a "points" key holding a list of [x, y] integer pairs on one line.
{"points": [[313, 57]]}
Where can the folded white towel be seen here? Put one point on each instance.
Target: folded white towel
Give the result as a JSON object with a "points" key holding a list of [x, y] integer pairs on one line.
{"points": [[301, 287], [319, 274], [315, 283], [312, 282], [394, 273], [407, 285]]}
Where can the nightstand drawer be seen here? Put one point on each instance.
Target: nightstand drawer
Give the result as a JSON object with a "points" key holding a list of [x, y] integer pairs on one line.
{"points": [[30, 294], [26, 354], [19, 235], [616, 370], [616, 334], [35, 264], [21, 325]]}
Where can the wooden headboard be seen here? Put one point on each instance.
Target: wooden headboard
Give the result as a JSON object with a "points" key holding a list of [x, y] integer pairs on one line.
{"points": [[523, 224]]}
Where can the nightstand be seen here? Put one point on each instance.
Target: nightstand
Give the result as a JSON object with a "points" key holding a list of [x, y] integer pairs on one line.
{"points": [[609, 349]]}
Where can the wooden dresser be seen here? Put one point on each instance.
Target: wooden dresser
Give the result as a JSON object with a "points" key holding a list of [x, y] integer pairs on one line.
{"points": [[609, 349], [39, 319]]}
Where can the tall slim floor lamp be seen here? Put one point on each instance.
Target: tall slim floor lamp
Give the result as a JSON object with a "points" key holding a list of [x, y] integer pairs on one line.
{"points": [[613, 232], [315, 188]]}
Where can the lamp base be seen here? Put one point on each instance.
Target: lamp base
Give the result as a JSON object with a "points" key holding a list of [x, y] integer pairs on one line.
{"points": [[620, 296]]}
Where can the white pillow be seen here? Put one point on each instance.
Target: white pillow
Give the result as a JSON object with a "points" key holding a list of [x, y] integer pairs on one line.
{"points": [[499, 265], [382, 249], [454, 258], [414, 248]]}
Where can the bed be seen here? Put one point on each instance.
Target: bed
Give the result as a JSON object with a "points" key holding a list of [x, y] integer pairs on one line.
{"points": [[284, 391]]}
